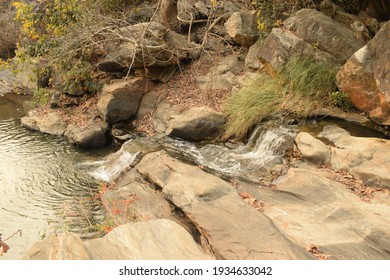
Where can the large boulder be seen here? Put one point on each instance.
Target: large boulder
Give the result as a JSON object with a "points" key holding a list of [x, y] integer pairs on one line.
{"points": [[307, 33], [324, 33], [280, 46], [196, 123], [242, 27], [119, 101], [366, 77]]}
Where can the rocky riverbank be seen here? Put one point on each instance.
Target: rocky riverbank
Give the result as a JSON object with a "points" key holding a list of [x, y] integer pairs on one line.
{"points": [[179, 189]]}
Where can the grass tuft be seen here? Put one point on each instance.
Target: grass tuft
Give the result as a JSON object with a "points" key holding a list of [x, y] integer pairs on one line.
{"points": [[301, 86]]}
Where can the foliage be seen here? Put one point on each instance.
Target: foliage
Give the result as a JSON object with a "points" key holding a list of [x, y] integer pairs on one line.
{"points": [[301, 86], [341, 100], [62, 36]]}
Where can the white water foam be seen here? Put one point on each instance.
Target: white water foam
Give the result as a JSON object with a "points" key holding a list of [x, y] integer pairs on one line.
{"points": [[264, 147], [110, 168]]}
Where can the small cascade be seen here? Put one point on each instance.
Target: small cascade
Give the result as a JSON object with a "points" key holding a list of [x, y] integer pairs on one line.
{"points": [[251, 161], [109, 169], [264, 150]]}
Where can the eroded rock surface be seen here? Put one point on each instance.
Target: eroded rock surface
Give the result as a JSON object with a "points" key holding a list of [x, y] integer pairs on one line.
{"points": [[234, 230], [365, 77]]}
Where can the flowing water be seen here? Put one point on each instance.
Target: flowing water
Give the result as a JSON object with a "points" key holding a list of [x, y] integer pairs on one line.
{"points": [[251, 162], [44, 187]]}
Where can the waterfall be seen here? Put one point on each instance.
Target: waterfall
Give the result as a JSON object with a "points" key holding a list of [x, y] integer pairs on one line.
{"points": [[109, 169], [264, 150], [251, 161]]}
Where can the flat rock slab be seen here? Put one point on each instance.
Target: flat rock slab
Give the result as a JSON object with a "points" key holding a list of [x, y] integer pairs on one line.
{"points": [[151, 240], [51, 123], [368, 159], [233, 229], [311, 208]]}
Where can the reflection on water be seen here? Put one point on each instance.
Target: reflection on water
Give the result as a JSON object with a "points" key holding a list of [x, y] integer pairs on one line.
{"points": [[43, 185]]}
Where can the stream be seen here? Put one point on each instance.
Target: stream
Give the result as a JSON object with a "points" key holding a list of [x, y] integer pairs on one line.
{"points": [[48, 185], [44, 187]]}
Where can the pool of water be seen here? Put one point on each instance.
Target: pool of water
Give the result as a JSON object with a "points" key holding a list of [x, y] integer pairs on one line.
{"points": [[44, 185]]}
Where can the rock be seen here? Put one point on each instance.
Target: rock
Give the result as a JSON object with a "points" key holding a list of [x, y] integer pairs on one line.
{"points": [[148, 205], [187, 11], [55, 99], [91, 136], [223, 76], [367, 159], [141, 13], [9, 34], [50, 123], [160, 47], [196, 124], [371, 23], [232, 228], [119, 101], [242, 27], [348, 20], [19, 82], [151, 240], [312, 149], [283, 44], [163, 115], [324, 33], [311, 208], [338, 113], [252, 61], [149, 103], [65, 246], [158, 74], [366, 77], [202, 8]]}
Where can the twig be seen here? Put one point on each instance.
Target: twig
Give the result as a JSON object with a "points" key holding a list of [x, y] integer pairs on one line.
{"points": [[18, 231]]}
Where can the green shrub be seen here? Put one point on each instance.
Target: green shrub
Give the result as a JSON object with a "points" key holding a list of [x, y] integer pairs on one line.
{"points": [[341, 100], [301, 86]]}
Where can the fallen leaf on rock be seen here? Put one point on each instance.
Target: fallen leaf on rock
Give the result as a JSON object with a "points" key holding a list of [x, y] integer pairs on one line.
{"points": [[317, 252], [258, 205], [244, 195]]}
